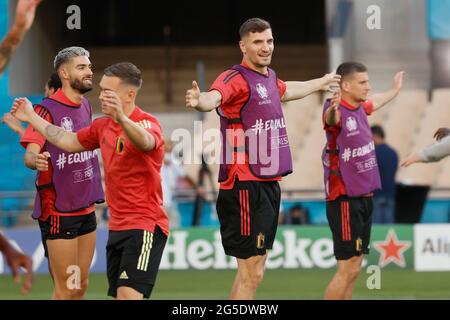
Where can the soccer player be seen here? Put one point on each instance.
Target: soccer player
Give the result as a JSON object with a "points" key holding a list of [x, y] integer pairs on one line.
{"points": [[25, 12], [248, 99], [53, 83], [132, 149], [351, 171], [433, 152], [68, 184]]}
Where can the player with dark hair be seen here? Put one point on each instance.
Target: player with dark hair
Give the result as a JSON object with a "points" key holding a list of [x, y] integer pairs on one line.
{"points": [[248, 99], [67, 189], [351, 171], [132, 149]]}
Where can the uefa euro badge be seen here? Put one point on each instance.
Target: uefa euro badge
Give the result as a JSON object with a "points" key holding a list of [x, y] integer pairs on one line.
{"points": [[351, 124], [358, 244], [260, 241]]}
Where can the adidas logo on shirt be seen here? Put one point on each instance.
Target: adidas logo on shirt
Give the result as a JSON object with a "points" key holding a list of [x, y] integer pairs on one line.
{"points": [[144, 124], [123, 275]]}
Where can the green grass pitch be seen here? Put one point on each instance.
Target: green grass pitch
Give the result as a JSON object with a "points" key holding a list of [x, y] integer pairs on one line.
{"points": [[277, 284]]}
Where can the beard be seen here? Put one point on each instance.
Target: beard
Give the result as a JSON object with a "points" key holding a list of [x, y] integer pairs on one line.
{"points": [[79, 86]]}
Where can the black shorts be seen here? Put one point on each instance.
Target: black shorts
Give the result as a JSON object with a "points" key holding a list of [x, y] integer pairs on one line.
{"points": [[248, 216], [350, 220], [66, 227], [132, 259]]}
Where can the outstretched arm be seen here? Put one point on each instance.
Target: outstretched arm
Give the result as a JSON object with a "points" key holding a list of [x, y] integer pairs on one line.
{"points": [[23, 111], [25, 12], [432, 153], [202, 101], [299, 89], [13, 124], [380, 99]]}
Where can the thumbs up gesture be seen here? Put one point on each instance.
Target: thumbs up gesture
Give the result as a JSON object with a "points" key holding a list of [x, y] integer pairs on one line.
{"points": [[193, 95]]}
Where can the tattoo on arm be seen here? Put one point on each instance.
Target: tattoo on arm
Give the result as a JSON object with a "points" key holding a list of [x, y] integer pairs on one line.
{"points": [[8, 46], [54, 133], [6, 51]]}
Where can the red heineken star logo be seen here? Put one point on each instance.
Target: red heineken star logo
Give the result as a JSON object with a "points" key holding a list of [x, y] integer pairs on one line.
{"points": [[391, 250]]}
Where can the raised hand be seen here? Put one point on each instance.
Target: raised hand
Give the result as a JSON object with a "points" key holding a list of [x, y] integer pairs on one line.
{"points": [[193, 96], [25, 12], [398, 80], [12, 123], [335, 99], [112, 105], [22, 109], [441, 133], [330, 82]]}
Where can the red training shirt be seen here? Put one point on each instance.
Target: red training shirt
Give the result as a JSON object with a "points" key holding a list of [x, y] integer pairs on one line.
{"points": [[132, 177]]}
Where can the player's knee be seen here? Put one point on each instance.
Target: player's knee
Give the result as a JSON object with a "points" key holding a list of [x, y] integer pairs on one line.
{"points": [[253, 279], [84, 284], [351, 272], [77, 294], [67, 294], [73, 291], [82, 289]]}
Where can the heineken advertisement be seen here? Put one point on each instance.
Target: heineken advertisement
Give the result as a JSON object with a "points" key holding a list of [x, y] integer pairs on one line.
{"points": [[303, 247], [423, 247]]}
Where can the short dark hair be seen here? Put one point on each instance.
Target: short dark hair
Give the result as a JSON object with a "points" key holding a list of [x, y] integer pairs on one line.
{"points": [[54, 82], [125, 71], [348, 68], [378, 131], [253, 25]]}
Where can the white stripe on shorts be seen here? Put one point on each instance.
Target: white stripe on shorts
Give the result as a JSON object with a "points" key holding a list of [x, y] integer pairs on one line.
{"points": [[147, 243]]}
